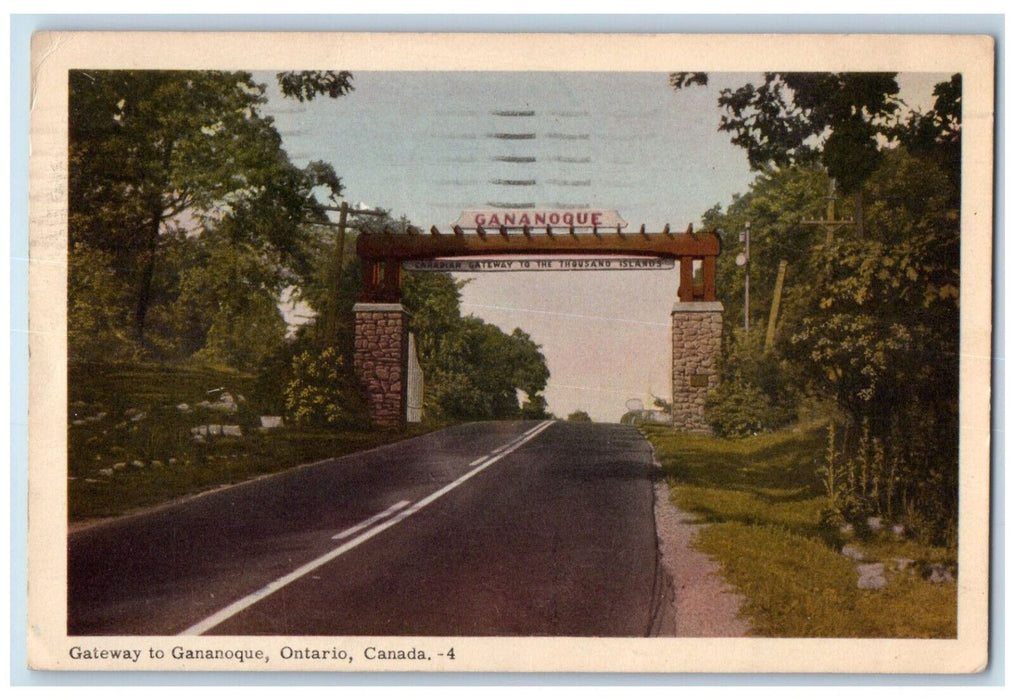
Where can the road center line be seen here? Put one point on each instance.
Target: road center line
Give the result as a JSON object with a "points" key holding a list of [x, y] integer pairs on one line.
{"points": [[370, 521], [506, 445], [245, 602]]}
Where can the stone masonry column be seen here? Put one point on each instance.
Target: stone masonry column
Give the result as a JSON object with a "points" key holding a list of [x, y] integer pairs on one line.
{"points": [[697, 344], [381, 359]]}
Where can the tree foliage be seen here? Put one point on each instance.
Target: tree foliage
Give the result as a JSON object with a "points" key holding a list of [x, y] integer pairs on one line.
{"points": [[98, 325], [160, 160], [322, 392], [189, 224], [870, 315], [837, 119], [306, 85], [473, 370], [777, 206]]}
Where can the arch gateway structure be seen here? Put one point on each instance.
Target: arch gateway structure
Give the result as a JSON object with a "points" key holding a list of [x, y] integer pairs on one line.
{"points": [[382, 353]]}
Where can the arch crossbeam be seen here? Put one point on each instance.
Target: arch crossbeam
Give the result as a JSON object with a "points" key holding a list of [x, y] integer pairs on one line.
{"points": [[382, 254]]}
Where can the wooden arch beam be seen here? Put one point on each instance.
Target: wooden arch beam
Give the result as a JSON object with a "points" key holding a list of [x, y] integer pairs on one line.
{"points": [[383, 253], [389, 246]]}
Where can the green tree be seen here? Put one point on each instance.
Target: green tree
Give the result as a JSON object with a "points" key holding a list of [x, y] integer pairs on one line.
{"points": [[153, 152], [98, 328], [884, 330], [937, 134], [579, 416], [836, 119], [307, 84], [534, 408], [473, 370], [869, 319], [777, 206]]}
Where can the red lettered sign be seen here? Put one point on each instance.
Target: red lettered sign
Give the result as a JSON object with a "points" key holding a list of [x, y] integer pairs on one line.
{"points": [[540, 218]]}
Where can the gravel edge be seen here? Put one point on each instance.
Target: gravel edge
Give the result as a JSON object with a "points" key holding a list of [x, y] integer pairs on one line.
{"points": [[700, 601]]}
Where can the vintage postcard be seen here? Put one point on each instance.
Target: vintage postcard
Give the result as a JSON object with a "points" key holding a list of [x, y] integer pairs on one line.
{"points": [[479, 352]]}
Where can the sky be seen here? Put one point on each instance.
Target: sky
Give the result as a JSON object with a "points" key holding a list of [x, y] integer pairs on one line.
{"points": [[429, 145]]}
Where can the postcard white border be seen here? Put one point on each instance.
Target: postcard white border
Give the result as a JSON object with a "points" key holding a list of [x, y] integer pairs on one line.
{"points": [[54, 53]]}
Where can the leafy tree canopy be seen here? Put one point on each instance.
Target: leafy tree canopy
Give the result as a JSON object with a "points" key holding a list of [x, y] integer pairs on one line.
{"points": [[840, 120], [473, 370], [155, 154], [306, 85]]}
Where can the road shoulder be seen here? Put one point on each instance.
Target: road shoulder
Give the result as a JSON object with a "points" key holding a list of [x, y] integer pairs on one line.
{"points": [[703, 604]]}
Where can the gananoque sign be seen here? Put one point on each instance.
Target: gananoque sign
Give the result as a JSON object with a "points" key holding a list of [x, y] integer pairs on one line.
{"points": [[539, 265], [540, 218]]}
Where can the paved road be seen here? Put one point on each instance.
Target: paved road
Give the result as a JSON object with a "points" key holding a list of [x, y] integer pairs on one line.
{"points": [[511, 528]]}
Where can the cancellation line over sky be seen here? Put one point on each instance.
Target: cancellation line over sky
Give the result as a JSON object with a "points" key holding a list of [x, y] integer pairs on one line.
{"points": [[428, 146]]}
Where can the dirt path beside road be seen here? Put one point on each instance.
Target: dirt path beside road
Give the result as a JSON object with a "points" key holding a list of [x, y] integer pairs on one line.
{"points": [[703, 604]]}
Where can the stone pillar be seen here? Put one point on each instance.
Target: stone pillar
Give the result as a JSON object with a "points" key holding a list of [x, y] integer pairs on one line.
{"points": [[381, 358], [697, 344]]}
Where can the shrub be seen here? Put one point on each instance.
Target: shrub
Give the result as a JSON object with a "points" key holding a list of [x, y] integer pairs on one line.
{"points": [[755, 396], [737, 408], [322, 392], [97, 327]]}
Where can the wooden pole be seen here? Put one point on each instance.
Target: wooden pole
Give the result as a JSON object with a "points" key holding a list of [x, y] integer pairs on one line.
{"points": [[331, 326], [776, 300], [747, 281]]}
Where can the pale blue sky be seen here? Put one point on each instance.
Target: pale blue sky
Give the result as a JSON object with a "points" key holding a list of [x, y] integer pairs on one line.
{"points": [[423, 144], [429, 145]]}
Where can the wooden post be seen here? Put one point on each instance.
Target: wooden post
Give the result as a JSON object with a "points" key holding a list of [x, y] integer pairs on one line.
{"points": [[708, 272], [331, 322], [685, 292], [776, 299]]}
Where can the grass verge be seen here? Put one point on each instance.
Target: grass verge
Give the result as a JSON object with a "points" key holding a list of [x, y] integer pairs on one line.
{"points": [[132, 441], [763, 500]]}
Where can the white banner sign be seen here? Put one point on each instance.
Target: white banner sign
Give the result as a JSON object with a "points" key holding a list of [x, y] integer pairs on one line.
{"points": [[540, 218], [539, 265]]}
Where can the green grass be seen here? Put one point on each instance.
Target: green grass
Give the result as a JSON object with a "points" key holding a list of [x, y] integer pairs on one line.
{"points": [[117, 465], [763, 501]]}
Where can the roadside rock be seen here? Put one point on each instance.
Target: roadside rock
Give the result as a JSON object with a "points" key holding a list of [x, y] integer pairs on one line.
{"points": [[854, 553], [940, 574], [872, 576], [225, 404], [271, 422]]}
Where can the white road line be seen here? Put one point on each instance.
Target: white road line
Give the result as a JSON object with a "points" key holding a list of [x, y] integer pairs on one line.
{"points": [[370, 521], [498, 450], [536, 427], [244, 603], [505, 445]]}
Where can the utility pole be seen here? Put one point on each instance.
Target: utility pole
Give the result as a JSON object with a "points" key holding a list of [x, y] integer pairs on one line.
{"points": [[780, 278], [744, 259], [331, 321], [830, 223]]}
